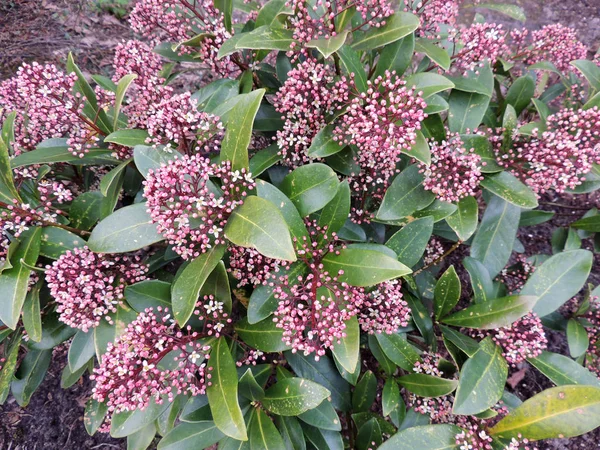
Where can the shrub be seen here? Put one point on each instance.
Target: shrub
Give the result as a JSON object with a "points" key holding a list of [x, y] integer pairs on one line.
{"points": [[293, 256]]}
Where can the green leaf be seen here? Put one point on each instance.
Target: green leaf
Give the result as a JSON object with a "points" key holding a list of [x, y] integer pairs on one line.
{"points": [[482, 147], [558, 279], [427, 437], [122, 87], [30, 374], [264, 335], [466, 344], [186, 287], [263, 434], [263, 159], [9, 366], [494, 240], [191, 435], [271, 10], [56, 241], [427, 385], [495, 313], [323, 439], [447, 293], [323, 416], [562, 370], [420, 151], [466, 110], [250, 388], [508, 187], [111, 181], [328, 47], [351, 65], [258, 224], [8, 192], [234, 147], [481, 281], [564, 411], [436, 53], [405, 195], [94, 415], [15, 281], [520, 93], [410, 242], [398, 350], [363, 267], [310, 187], [126, 423], [323, 144], [369, 435], [148, 294], [390, 397], [266, 38], [293, 396], [324, 373], [217, 285], [347, 351], [336, 212], [127, 229], [81, 350], [150, 158], [291, 432], [32, 318], [590, 71], [396, 56], [512, 11], [364, 393], [591, 224], [464, 220], [396, 27], [106, 332], [222, 393], [482, 379], [429, 83], [577, 338], [128, 138]]}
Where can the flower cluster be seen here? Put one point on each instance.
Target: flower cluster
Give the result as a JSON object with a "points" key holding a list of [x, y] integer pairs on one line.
{"points": [[438, 408], [433, 251], [515, 276], [483, 42], [381, 122], [315, 20], [454, 172], [180, 20], [434, 15], [305, 101], [557, 44], [137, 58], [383, 309], [314, 307], [558, 157], [177, 119], [19, 217], [592, 319], [523, 339], [187, 208], [87, 286], [251, 268], [130, 374]]}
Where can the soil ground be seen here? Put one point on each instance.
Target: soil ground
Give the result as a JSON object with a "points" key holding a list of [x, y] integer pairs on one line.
{"points": [[46, 30]]}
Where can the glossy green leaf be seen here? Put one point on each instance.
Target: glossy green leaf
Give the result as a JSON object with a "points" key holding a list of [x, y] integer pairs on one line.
{"points": [[186, 288], [427, 385], [148, 294], [364, 267], [508, 187], [310, 187], [329, 46], [148, 158], [250, 388], [496, 313], [291, 432], [127, 229], [464, 220], [364, 393], [234, 147], [482, 379], [398, 350], [494, 240], [427, 437], [293, 396], [562, 370], [323, 416], [410, 242], [336, 212], [32, 318], [577, 338], [323, 144], [262, 433], [258, 224], [264, 335], [222, 393], [81, 350], [396, 56], [436, 53], [266, 38], [558, 279], [429, 83], [512, 11], [351, 65], [56, 241], [191, 435], [405, 195], [390, 397], [128, 138], [563, 411], [447, 293], [94, 415], [466, 110], [107, 332], [30, 374], [590, 71], [15, 281], [347, 351], [520, 93], [396, 27], [263, 159]]}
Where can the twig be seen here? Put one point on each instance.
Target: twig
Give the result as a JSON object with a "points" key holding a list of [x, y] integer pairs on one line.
{"points": [[439, 259]]}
